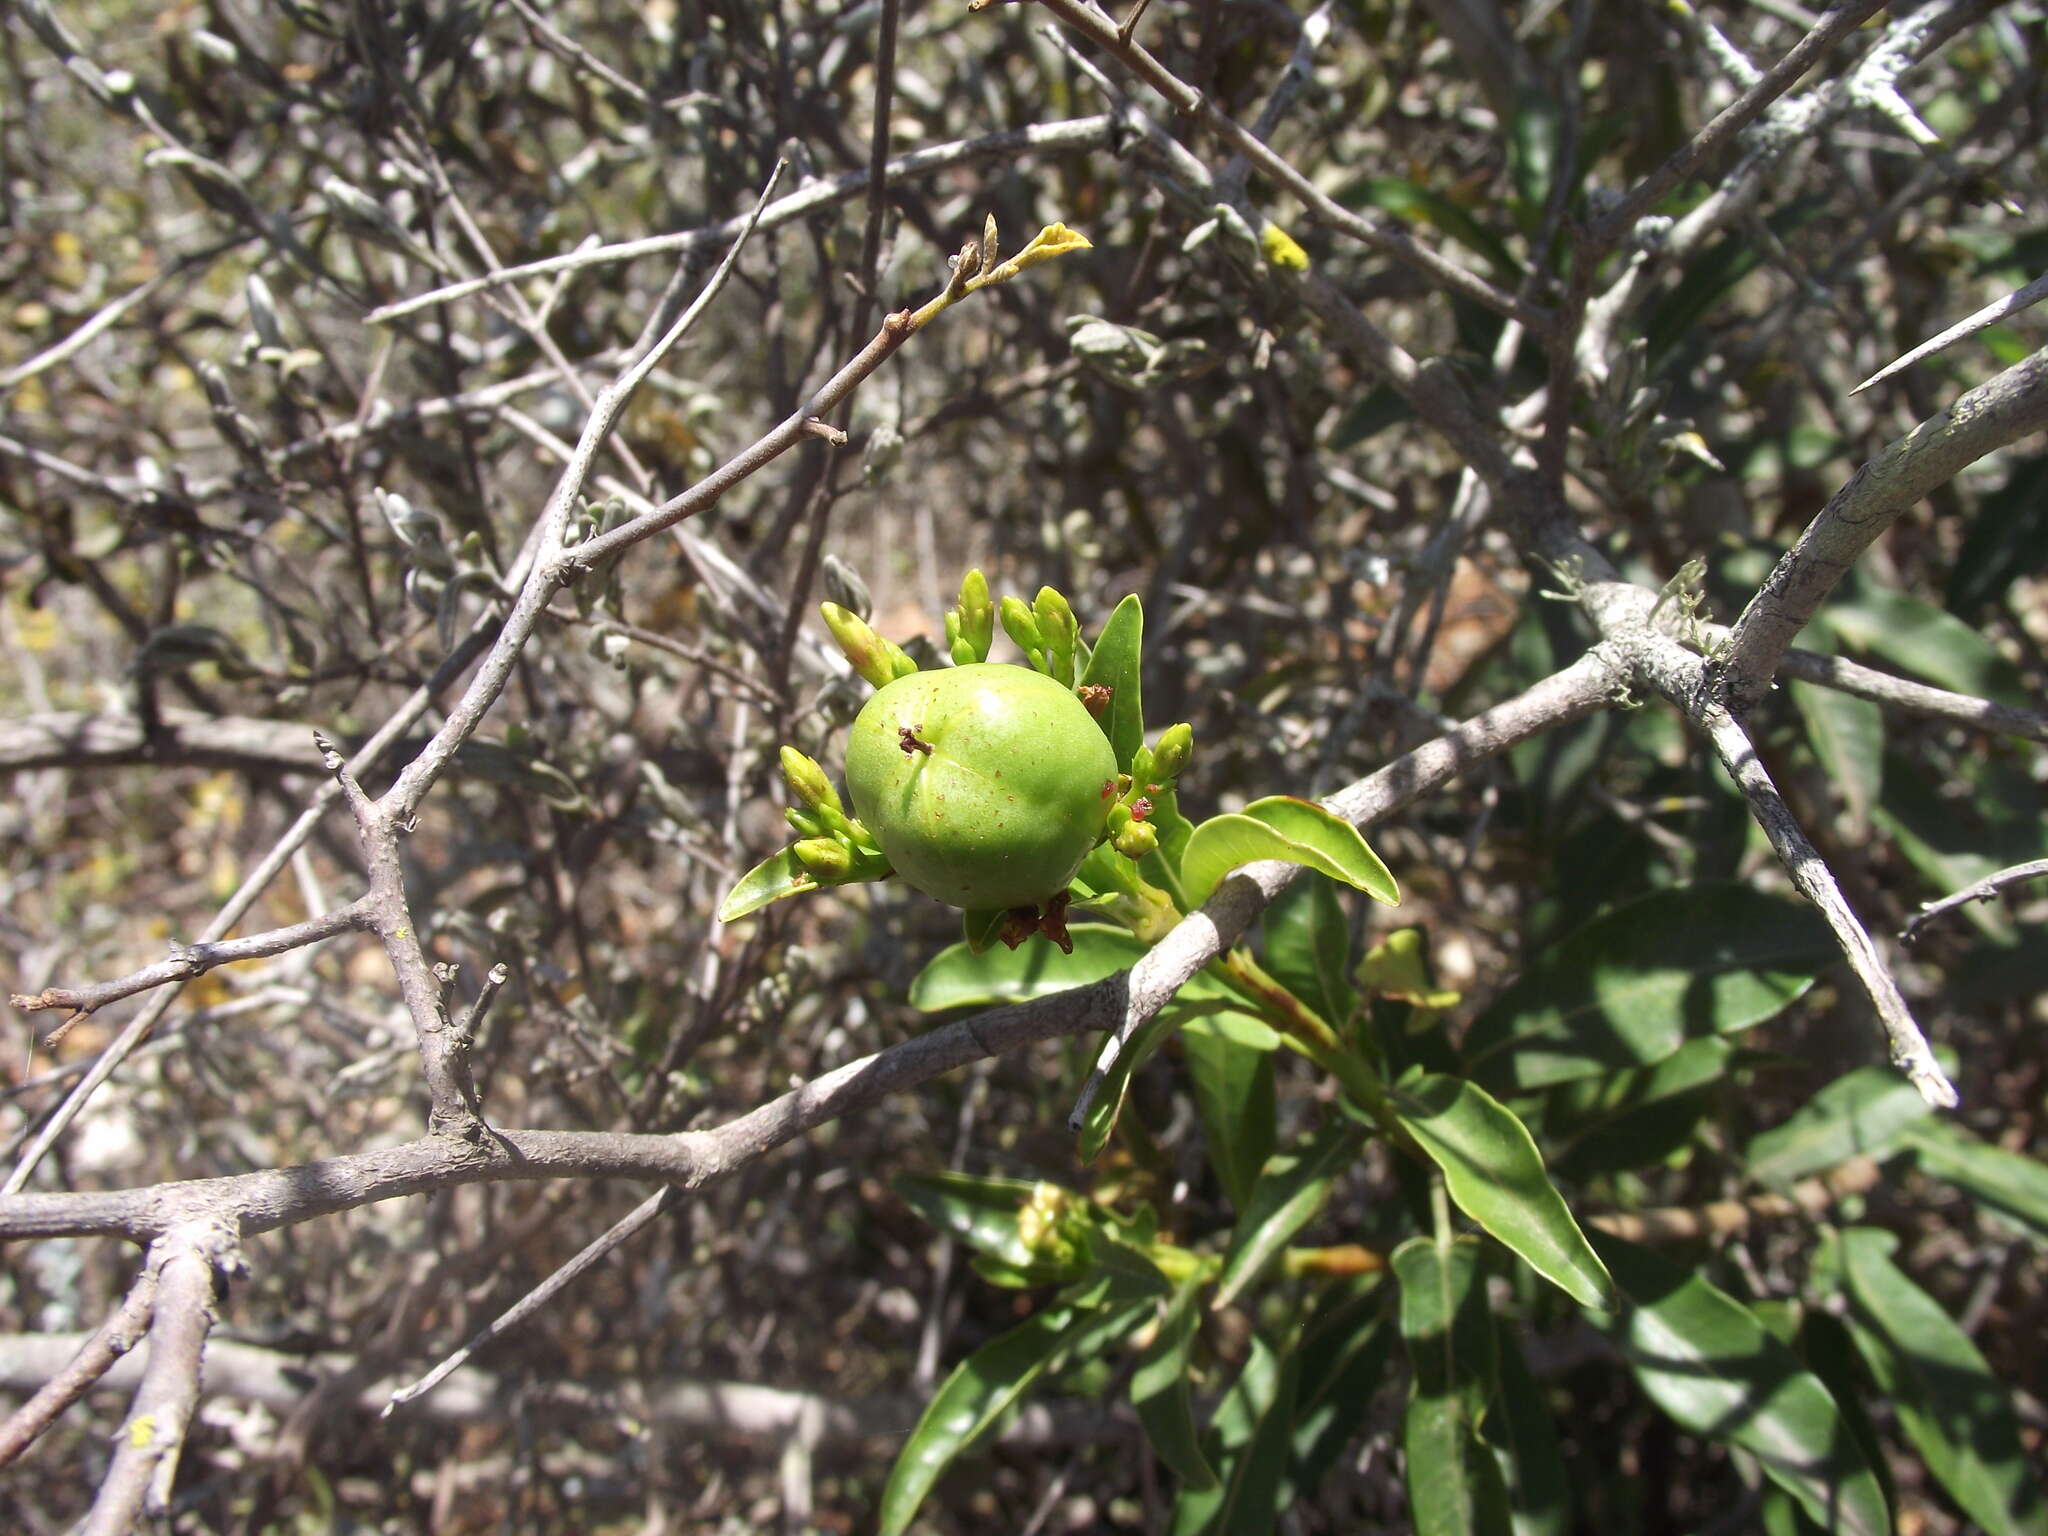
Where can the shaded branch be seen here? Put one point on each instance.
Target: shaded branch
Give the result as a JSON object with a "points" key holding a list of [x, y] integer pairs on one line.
{"points": [[83, 1364], [1983, 890], [180, 736]]}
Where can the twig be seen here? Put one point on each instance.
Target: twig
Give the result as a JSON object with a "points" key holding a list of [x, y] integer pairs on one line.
{"points": [[1816, 882], [552, 566], [2000, 309], [1081, 133], [1997, 412], [1846, 676], [187, 1259], [1983, 890], [95, 1357], [189, 960], [1838, 23], [175, 736], [1376, 231], [452, 1107], [642, 1215]]}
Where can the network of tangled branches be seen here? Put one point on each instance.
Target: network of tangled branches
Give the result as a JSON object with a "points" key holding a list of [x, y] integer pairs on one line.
{"points": [[425, 432]]}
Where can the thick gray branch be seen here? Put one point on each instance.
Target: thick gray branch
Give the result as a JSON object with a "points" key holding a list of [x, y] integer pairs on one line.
{"points": [[2000, 411]]}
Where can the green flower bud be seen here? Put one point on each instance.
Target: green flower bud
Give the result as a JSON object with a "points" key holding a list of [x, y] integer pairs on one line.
{"points": [[1141, 770], [1136, 840], [825, 857], [804, 823], [808, 782], [1059, 632], [971, 627], [874, 658], [1021, 626], [1170, 757]]}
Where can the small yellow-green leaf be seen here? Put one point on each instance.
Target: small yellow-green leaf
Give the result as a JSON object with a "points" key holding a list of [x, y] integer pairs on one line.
{"points": [[1282, 250], [1282, 827], [770, 880]]}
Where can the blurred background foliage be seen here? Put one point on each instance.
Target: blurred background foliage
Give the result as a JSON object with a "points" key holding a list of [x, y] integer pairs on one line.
{"points": [[239, 497]]}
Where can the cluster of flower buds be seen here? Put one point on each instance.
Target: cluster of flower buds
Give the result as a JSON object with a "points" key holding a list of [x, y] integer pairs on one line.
{"points": [[1052, 1224], [833, 847], [971, 627], [1153, 770], [878, 660], [1046, 632]]}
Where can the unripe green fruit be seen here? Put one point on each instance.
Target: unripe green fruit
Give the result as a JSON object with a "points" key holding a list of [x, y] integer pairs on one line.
{"points": [[1012, 793]]}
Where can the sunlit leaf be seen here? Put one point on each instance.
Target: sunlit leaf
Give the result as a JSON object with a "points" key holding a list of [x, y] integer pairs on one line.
{"points": [[769, 881], [1286, 1197], [1492, 1170], [1707, 1362], [1282, 827], [1116, 666]]}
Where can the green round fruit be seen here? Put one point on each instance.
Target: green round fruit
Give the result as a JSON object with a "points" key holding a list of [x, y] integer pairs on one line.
{"points": [[986, 785]]}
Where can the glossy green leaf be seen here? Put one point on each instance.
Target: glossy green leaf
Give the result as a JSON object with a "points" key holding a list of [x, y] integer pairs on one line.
{"points": [[1947, 1401], [1258, 1488], [2012, 1183], [1233, 1086], [983, 1213], [1286, 1197], [1923, 640], [1116, 665], [1160, 1391], [1632, 986], [1308, 948], [768, 881], [1118, 1274], [1107, 1107], [1282, 827], [959, 978], [1704, 1359], [1859, 1113], [1492, 1170], [984, 1386]]}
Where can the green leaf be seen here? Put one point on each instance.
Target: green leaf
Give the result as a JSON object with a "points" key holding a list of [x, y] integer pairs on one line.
{"points": [[770, 880], [1454, 1483], [2010, 1182], [1494, 1173], [1703, 1358], [1233, 1085], [1286, 1197], [1418, 205], [1947, 1401], [1524, 1436], [1921, 639], [1633, 985], [1250, 1442], [1861, 1112], [1308, 948], [1160, 1391], [1282, 827], [1848, 737], [981, 1388], [959, 978], [1634, 1118], [1116, 666], [1107, 1107], [982, 1213]]}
